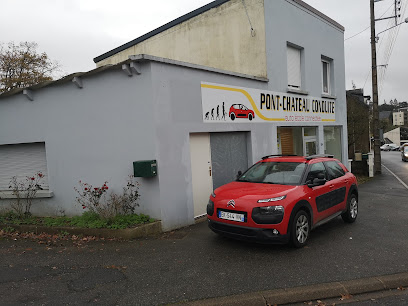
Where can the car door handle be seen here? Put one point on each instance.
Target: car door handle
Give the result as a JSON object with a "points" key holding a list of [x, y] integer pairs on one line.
{"points": [[331, 186]]}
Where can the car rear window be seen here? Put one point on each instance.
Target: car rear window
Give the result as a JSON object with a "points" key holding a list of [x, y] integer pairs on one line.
{"points": [[283, 173]]}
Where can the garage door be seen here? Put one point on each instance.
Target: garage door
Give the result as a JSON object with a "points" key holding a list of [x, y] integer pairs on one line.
{"points": [[228, 156]]}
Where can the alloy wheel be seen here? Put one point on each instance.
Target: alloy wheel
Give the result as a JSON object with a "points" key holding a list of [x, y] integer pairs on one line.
{"points": [[302, 229], [353, 208]]}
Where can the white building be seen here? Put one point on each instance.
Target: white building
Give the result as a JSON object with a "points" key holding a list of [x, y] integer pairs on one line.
{"points": [[278, 88], [400, 118]]}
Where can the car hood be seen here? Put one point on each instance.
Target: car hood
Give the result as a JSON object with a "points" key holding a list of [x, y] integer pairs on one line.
{"points": [[251, 191]]}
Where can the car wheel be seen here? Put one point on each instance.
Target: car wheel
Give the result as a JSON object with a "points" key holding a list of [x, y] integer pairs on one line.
{"points": [[250, 117], [300, 229], [232, 116], [352, 209]]}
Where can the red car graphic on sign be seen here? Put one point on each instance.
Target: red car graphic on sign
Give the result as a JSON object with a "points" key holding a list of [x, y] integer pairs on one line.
{"points": [[240, 111]]}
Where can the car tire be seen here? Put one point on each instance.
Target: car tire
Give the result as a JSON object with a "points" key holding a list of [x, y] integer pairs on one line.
{"points": [[232, 116], [300, 229], [250, 117], [350, 215]]}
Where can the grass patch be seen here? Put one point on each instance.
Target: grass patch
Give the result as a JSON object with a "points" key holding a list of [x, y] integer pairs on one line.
{"points": [[87, 220], [361, 179]]}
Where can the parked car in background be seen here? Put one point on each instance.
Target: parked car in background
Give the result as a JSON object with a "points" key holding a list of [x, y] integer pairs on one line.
{"points": [[402, 146], [389, 147], [394, 147], [404, 153], [282, 198]]}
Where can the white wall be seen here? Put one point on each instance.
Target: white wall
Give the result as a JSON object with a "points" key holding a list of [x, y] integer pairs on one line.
{"points": [[219, 38], [91, 134], [394, 136]]}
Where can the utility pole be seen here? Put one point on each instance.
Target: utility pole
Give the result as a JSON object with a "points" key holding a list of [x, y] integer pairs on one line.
{"points": [[376, 132], [376, 119]]}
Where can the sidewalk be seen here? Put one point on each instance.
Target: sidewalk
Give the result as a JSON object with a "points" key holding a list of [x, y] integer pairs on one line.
{"points": [[311, 293]]}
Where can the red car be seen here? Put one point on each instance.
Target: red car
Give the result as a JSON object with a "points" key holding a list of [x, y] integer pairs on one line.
{"points": [[282, 198], [240, 111]]}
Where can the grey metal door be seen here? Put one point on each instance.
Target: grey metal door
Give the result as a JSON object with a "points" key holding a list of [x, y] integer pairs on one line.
{"points": [[228, 156]]}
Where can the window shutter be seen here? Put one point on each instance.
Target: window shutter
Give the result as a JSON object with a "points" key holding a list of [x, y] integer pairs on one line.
{"points": [[294, 71], [326, 75], [22, 160]]}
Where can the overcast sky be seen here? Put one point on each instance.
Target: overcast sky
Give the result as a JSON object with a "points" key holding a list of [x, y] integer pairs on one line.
{"points": [[73, 32]]}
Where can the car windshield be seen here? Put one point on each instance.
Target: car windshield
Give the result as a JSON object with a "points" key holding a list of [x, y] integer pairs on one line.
{"points": [[406, 149], [283, 173]]}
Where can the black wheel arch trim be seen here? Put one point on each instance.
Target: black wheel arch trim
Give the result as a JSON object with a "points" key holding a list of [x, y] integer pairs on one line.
{"points": [[305, 205], [353, 189]]}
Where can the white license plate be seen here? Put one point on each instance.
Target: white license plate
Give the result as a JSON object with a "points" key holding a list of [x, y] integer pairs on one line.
{"points": [[231, 216]]}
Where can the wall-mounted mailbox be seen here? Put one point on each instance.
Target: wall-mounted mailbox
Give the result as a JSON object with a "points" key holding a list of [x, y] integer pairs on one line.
{"points": [[145, 168]]}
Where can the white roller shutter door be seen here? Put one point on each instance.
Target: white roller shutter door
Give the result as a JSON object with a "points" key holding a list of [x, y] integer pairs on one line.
{"points": [[294, 71], [22, 160]]}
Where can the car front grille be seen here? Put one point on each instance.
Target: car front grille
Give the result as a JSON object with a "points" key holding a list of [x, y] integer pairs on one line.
{"points": [[237, 230]]}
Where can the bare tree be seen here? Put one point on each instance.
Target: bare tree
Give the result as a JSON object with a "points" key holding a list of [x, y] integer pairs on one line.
{"points": [[21, 65], [357, 125]]}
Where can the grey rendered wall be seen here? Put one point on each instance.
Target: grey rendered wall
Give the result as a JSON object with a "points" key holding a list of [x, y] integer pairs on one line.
{"points": [[91, 134], [288, 22], [177, 102], [178, 109]]}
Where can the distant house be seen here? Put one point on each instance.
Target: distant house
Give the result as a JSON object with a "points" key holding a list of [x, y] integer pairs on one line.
{"points": [[398, 136], [400, 117]]}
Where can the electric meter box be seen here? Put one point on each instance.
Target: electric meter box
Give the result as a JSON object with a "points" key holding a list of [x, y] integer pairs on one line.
{"points": [[145, 168]]}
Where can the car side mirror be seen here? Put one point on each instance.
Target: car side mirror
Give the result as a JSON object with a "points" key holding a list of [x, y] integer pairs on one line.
{"points": [[239, 174], [318, 181]]}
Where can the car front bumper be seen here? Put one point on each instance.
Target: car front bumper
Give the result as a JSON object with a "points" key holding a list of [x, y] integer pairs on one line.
{"points": [[261, 235]]}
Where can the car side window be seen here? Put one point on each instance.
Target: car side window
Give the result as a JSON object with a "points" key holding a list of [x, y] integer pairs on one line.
{"points": [[314, 170], [334, 170]]}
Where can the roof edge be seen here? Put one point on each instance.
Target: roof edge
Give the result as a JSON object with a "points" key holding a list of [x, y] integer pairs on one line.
{"points": [[132, 58], [151, 58], [195, 13], [160, 29], [320, 14]]}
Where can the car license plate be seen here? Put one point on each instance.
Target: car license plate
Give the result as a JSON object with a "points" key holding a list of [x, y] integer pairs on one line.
{"points": [[231, 216]]}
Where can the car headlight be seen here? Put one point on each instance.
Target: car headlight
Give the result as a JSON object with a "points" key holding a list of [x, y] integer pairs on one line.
{"points": [[406, 154], [210, 208], [269, 210], [272, 199]]}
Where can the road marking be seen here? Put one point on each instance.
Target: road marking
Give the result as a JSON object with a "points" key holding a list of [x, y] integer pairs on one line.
{"points": [[405, 185]]}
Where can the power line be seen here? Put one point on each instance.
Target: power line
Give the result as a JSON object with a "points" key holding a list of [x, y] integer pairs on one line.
{"points": [[368, 26], [392, 37]]}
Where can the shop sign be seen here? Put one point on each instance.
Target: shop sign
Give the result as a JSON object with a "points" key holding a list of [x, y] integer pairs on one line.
{"points": [[224, 103]]}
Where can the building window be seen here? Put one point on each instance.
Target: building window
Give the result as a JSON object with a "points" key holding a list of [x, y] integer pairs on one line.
{"points": [[327, 76], [332, 141], [294, 67], [297, 140], [22, 161]]}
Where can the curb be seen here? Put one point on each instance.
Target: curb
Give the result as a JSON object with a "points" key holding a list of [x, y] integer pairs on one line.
{"points": [[141, 231], [311, 292]]}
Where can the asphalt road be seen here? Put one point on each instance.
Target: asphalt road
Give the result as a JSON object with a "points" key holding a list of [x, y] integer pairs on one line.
{"points": [[392, 160], [194, 263]]}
